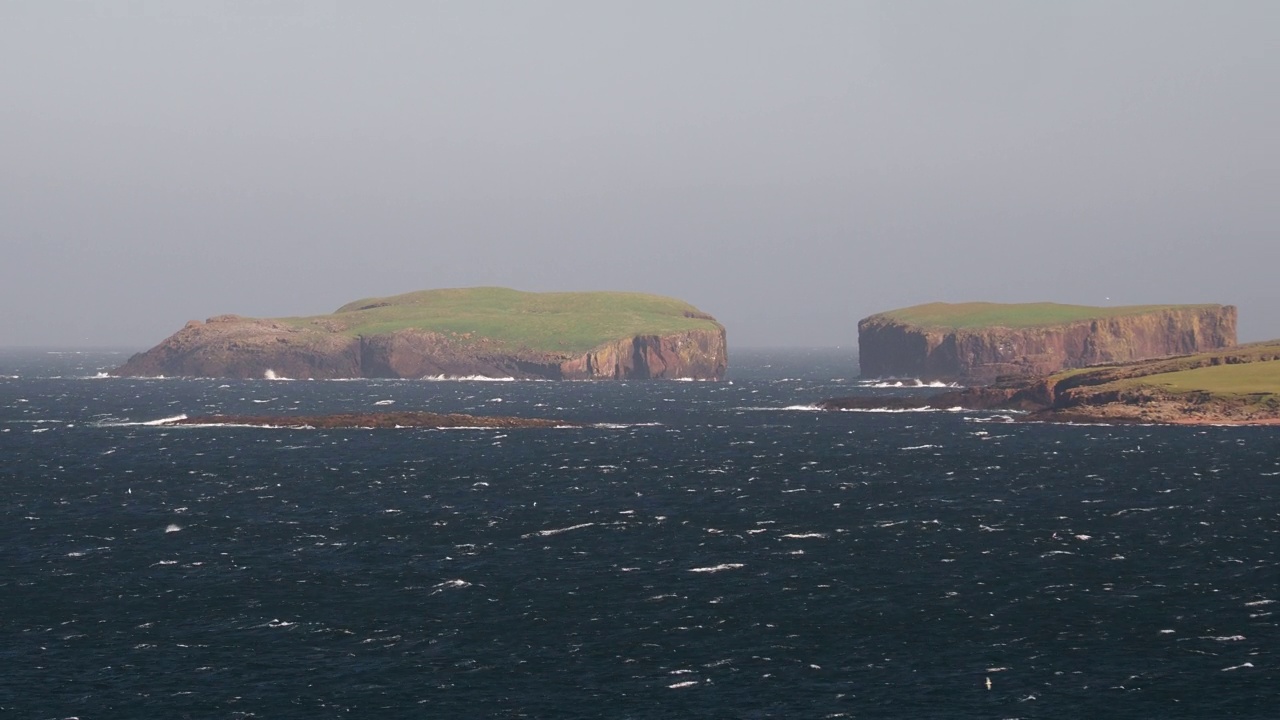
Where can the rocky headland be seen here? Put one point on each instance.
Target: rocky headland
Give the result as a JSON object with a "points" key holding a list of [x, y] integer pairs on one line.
{"points": [[981, 342], [472, 332], [1234, 386]]}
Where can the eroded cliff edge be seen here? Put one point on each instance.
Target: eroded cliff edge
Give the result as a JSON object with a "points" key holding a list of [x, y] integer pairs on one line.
{"points": [[979, 342], [486, 332]]}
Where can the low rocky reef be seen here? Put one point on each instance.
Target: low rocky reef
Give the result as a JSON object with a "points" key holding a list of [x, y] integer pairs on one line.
{"points": [[365, 420]]}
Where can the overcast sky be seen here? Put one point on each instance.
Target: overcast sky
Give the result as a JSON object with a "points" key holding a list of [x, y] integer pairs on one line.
{"points": [[789, 167]]}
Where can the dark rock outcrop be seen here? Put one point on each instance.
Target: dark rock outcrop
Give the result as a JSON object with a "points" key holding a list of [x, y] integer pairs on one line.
{"points": [[889, 347]]}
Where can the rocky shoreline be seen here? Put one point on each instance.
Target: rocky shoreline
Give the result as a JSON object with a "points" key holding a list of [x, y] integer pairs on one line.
{"points": [[1145, 392]]}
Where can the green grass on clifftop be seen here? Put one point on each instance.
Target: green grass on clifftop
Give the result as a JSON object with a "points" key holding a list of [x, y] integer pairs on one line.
{"points": [[1244, 370], [551, 322], [1245, 379], [957, 316]]}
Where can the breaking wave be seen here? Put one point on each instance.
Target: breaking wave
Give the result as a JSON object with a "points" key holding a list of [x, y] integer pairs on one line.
{"points": [[472, 378]]}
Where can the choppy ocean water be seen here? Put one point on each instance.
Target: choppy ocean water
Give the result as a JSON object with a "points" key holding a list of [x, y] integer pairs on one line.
{"points": [[703, 550]]}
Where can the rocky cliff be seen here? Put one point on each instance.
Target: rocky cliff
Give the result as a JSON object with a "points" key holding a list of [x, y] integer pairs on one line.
{"points": [[1236, 385], [362, 343], [980, 342]]}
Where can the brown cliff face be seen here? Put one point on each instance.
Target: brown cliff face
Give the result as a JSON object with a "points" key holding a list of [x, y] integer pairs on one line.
{"points": [[237, 347], [695, 354], [888, 347]]}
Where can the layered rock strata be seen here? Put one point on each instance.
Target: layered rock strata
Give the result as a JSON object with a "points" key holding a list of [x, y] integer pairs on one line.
{"points": [[891, 347]]}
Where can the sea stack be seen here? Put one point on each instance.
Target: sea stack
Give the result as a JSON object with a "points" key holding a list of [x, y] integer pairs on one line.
{"points": [[455, 333], [976, 343]]}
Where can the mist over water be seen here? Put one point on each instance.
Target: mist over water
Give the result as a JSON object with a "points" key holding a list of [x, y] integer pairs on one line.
{"points": [[704, 550]]}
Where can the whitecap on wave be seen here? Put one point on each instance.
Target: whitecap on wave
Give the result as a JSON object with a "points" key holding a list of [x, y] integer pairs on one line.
{"points": [[903, 410], [717, 568], [557, 531], [473, 378], [906, 383], [161, 421]]}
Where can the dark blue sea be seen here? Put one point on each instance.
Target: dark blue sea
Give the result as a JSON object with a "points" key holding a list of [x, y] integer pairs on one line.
{"points": [[699, 550]]}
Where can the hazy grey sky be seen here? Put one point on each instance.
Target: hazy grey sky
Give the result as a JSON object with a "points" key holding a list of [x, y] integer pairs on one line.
{"points": [[789, 167]]}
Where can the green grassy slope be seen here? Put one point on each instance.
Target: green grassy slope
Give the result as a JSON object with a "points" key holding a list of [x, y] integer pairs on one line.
{"points": [[1251, 369], [959, 316], [553, 322], [1246, 379]]}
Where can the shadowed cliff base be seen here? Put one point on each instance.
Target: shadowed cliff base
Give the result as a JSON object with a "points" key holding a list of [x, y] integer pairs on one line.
{"points": [[982, 342], [1235, 386], [471, 332]]}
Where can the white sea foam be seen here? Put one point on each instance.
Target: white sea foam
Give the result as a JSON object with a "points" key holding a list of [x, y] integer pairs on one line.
{"points": [[1256, 603], [804, 536], [385, 402], [152, 423], [683, 684], [472, 378], [908, 383], [172, 528], [452, 584], [921, 447], [1238, 667], [904, 410], [717, 568], [557, 531]]}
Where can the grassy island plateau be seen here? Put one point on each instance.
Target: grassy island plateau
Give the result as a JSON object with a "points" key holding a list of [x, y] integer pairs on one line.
{"points": [[465, 332], [980, 342]]}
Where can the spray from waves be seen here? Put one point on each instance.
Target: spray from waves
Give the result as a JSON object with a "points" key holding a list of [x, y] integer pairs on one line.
{"points": [[145, 423], [905, 410], [906, 383]]}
